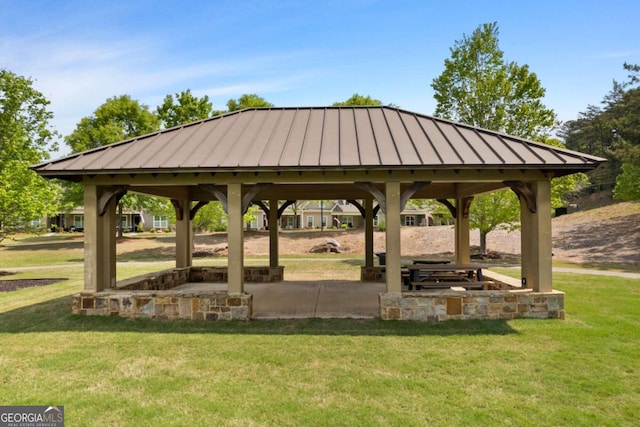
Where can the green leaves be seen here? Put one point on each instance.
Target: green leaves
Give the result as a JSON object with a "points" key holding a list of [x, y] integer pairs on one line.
{"points": [[184, 108], [119, 118], [247, 101], [479, 88], [25, 137], [357, 99]]}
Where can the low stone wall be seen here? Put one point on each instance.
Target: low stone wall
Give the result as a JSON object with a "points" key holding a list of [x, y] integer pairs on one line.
{"points": [[251, 274], [164, 305], [442, 305], [372, 274], [168, 279], [151, 295]]}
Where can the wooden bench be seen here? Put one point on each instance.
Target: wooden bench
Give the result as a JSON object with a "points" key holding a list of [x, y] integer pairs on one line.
{"points": [[467, 285]]}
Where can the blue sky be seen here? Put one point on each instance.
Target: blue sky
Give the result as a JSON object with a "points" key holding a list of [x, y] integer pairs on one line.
{"points": [[304, 53]]}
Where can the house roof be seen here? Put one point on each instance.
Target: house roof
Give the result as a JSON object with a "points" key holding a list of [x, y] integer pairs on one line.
{"points": [[327, 138]]}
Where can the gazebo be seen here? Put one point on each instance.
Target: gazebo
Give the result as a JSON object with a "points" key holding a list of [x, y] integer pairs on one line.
{"points": [[376, 157]]}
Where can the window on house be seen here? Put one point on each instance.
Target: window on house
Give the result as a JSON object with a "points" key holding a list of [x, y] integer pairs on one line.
{"points": [[347, 220], [160, 221], [375, 221], [35, 223], [78, 221], [291, 222], [324, 220], [309, 221], [410, 220]]}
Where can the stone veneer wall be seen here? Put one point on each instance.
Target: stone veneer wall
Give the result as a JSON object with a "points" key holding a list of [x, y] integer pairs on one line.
{"points": [[165, 305], [442, 305], [150, 295], [372, 274]]}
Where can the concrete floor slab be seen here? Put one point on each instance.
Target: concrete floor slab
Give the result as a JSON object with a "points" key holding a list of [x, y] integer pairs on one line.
{"points": [[300, 300]]}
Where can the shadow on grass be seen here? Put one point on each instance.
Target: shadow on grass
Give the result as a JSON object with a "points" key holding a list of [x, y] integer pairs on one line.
{"points": [[55, 316]]}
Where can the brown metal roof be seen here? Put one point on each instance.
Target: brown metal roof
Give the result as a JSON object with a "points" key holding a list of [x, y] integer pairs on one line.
{"points": [[322, 137]]}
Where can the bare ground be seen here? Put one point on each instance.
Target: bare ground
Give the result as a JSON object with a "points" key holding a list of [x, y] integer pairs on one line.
{"points": [[607, 235]]}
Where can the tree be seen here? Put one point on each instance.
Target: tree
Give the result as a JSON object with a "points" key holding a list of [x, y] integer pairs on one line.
{"points": [[184, 108], [118, 119], [479, 88], [247, 101], [24, 138], [357, 99], [611, 131]]}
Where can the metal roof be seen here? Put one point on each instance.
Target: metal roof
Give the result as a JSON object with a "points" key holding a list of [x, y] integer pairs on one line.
{"points": [[319, 137]]}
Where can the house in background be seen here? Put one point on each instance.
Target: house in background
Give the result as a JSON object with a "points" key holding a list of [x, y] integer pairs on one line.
{"points": [[301, 215], [342, 214], [131, 221]]}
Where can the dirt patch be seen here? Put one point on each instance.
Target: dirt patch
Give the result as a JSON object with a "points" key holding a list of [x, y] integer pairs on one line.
{"points": [[608, 235], [14, 285]]}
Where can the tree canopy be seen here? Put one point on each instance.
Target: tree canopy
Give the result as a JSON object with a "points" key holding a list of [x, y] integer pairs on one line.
{"points": [[479, 88], [24, 137], [357, 99], [117, 119], [250, 100], [612, 130], [183, 108]]}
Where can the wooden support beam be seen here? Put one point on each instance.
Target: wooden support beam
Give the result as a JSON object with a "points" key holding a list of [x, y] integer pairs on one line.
{"points": [[194, 210], [523, 191], [107, 196], [218, 193]]}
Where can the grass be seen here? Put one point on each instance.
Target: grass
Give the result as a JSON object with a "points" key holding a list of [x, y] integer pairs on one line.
{"points": [[117, 372]]}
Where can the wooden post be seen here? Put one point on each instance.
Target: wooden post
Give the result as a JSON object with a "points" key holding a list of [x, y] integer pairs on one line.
{"points": [[536, 240], [273, 234], [235, 239], [184, 235], [392, 214], [99, 241], [462, 245], [368, 232]]}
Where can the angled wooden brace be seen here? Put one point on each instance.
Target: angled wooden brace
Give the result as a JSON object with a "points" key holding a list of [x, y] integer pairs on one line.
{"points": [[194, 210], [177, 206], [466, 206], [261, 205], [108, 196], [373, 190], [284, 206], [361, 208], [217, 192], [449, 206], [416, 186], [523, 191], [247, 199]]}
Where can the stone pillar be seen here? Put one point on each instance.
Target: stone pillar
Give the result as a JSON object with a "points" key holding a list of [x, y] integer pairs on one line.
{"points": [[99, 241], [235, 238], [273, 234], [184, 235], [462, 245], [368, 233], [536, 239], [392, 214]]}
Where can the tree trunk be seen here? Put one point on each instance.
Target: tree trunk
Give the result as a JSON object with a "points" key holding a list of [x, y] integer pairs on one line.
{"points": [[483, 242]]}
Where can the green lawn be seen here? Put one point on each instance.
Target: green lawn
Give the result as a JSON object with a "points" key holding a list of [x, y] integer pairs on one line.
{"points": [[584, 370]]}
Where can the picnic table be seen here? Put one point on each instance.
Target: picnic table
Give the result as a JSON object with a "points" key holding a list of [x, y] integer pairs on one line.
{"points": [[443, 276]]}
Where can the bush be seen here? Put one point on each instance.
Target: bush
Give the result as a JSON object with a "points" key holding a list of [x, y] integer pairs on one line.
{"points": [[153, 230], [382, 226]]}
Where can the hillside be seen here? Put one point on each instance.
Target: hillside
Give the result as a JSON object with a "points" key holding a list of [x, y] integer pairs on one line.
{"points": [[609, 234]]}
